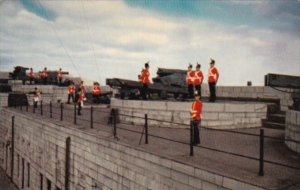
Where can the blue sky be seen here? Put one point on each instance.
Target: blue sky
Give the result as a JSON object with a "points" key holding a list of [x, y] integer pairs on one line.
{"points": [[102, 39]]}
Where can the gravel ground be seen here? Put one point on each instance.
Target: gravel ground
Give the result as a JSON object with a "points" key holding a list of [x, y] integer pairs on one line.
{"points": [[241, 168]]}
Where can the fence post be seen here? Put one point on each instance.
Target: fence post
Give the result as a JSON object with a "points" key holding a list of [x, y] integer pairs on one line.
{"points": [[146, 128], [115, 122], [191, 139], [41, 107], [92, 120], [261, 152], [50, 109], [75, 119], [33, 107], [12, 146], [61, 111]]}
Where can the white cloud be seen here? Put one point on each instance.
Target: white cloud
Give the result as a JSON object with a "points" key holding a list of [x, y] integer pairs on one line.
{"points": [[119, 39]]}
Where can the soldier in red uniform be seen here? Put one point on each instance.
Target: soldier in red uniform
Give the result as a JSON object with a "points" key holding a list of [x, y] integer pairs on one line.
{"points": [[80, 101], [71, 92], [96, 92], [45, 75], [145, 81], [213, 77], [198, 79], [37, 96], [190, 80], [31, 75], [196, 113], [59, 76]]}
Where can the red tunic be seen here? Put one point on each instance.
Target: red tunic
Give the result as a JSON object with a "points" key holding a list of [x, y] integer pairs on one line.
{"points": [[71, 89], [145, 76], [213, 75], [190, 77], [198, 79], [80, 97], [30, 74], [59, 74], [45, 74], [196, 112], [96, 90]]}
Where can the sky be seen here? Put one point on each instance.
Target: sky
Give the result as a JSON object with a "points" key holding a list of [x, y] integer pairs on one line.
{"points": [[105, 39]]}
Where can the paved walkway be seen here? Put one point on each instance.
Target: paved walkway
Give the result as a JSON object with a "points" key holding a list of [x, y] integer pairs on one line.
{"points": [[240, 168], [5, 182]]}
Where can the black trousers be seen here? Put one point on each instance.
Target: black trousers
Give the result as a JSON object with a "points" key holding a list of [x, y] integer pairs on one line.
{"points": [[145, 91], [96, 98], [212, 91], [30, 80], [191, 90], [198, 89], [79, 108], [59, 81], [69, 97], [45, 80], [196, 132]]}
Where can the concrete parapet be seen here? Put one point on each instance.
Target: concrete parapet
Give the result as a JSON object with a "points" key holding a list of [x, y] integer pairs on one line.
{"points": [[176, 114], [292, 130]]}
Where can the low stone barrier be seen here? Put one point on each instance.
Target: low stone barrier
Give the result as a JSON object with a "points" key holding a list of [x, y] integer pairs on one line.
{"points": [[228, 115], [292, 129]]}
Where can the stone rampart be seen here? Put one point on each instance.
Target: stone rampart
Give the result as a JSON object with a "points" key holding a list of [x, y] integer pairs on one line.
{"points": [[292, 130], [224, 115], [95, 160]]}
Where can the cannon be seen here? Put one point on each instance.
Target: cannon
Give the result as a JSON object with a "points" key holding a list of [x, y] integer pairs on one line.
{"points": [[20, 73], [169, 83], [286, 81]]}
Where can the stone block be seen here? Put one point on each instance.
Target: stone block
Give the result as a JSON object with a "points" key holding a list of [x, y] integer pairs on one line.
{"points": [[210, 116], [195, 182], [209, 177], [180, 177], [183, 168], [237, 185], [178, 106], [213, 107], [209, 186], [154, 105], [225, 116]]}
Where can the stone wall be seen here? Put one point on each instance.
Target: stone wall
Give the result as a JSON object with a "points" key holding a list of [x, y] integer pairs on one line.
{"points": [[292, 129], [3, 99], [215, 115], [96, 159]]}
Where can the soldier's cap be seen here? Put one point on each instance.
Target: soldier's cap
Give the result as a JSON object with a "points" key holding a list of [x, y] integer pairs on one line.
{"points": [[212, 61], [190, 66], [196, 93], [146, 65], [198, 65]]}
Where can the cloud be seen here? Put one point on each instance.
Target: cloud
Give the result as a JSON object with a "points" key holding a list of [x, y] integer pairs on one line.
{"points": [[105, 39]]}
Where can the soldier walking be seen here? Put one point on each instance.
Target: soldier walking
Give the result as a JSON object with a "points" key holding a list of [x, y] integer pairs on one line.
{"points": [[80, 101], [96, 92], [213, 76]]}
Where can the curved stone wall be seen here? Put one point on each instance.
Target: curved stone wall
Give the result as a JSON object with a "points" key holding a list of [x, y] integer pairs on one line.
{"points": [[292, 130]]}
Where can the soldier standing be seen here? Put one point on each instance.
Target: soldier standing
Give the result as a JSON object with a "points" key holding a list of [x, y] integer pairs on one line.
{"points": [[145, 80], [59, 76], [96, 92], [189, 80], [196, 118], [213, 76], [71, 91], [31, 76], [45, 75], [198, 79], [80, 101], [37, 96]]}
